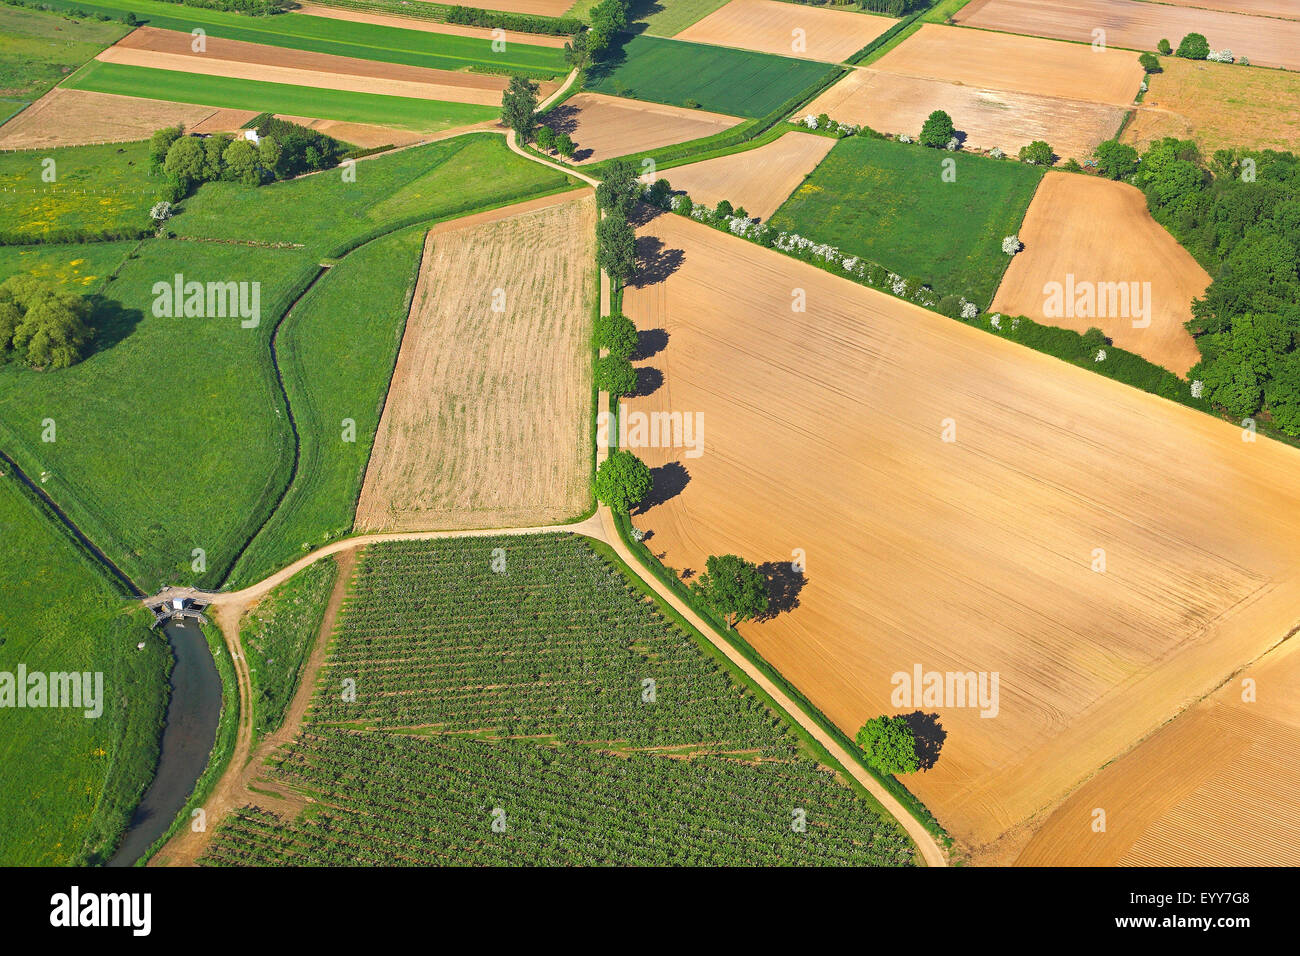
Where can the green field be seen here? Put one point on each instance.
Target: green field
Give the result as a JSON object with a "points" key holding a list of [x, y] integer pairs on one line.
{"points": [[336, 360], [82, 266], [889, 203], [440, 180], [667, 18], [404, 112], [171, 436], [38, 49], [550, 695], [720, 80], [276, 635], [70, 783], [95, 191], [365, 41]]}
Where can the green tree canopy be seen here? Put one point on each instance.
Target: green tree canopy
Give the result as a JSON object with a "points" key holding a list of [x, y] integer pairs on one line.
{"points": [[622, 481], [242, 163], [1149, 62], [48, 327], [1116, 160], [615, 247], [519, 106], [619, 190], [1194, 47], [889, 745], [1037, 153], [617, 333], [615, 375], [733, 587], [938, 129]]}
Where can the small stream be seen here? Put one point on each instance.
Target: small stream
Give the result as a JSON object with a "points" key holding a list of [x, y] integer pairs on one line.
{"points": [[193, 712]]}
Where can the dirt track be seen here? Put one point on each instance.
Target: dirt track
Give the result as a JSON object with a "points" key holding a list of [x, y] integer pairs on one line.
{"points": [[975, 555], [769, 26], [1136, 25], [894, 103], [1100, 231], [607, 126]]}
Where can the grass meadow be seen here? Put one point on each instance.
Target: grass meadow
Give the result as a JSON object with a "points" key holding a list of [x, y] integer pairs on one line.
{"points": [[71, 782], [717, 79], [662, 19], [82, 266], [38, 49], [890, 203], [404, 112], [336, 358]]}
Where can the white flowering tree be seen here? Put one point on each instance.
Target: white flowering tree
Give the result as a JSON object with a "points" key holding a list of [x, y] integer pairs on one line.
{"points": [[161, 211], [1011, 245]]}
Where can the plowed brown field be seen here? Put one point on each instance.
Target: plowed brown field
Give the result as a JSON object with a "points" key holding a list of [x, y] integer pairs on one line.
{"points": [[893, 103], [823, 432], [1137, 25], [1218, 786], [64, 117], [607, 126], [171, 50], [770, 26], [487, 422], [1000, 61], [758, 179], [1100, 231]]}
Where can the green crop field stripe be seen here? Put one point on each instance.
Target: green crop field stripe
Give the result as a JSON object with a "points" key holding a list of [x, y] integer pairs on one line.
{"points": [[234, 93]]}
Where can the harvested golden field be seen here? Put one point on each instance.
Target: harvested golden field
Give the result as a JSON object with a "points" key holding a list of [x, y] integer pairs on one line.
{"points": [[1086, 234], [1219, 105], [894, 103], [787, 29], [758, 179], [1137, 25], [1285, 9], [823, 433], [1218, 786], [607, 126], [487, 422], [1001, 61], [65, 117], [171, 50], [427, 26]]}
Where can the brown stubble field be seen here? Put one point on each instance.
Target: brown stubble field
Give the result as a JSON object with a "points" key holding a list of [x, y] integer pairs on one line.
{"points": [[768, 26], [487, 421], [1017, 64], [1220, 105], [1138, 25], [823, 433], [1100, 231], [607, 126], [757, 179], [65, 117], [893, 103], [1286, 9]]}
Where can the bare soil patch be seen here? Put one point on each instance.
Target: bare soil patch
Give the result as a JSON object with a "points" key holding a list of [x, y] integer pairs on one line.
{"points": [[607, 126], [64, 117], [1136, 25], [823, 432], [758, 179], [361, 134], [894, 103], [1099, 232], [487, 422], [787, 29], [1000, 61]]}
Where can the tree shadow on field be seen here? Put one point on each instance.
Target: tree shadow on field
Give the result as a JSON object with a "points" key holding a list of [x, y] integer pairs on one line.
{"points": [[666, 483], [648, 380], [654, 261], [112, 322], [639, 10], [562, 119], [929, 734], [650, 342], [783, 586]]}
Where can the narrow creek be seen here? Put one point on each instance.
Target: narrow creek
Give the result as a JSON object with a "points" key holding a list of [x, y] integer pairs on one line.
{"points": [[193, 712]]}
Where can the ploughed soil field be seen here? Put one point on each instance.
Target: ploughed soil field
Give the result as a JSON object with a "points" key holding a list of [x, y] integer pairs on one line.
{"points": [[1076, 537], [171, 50], [64, 117], [428, 26], [769, 26], [1220, 105], [1000, 61], [607, 126], [757, 179], [1287, 9], [487, 421], [894, 103], [1137, 25], [1100, 232], [1218, 786]]}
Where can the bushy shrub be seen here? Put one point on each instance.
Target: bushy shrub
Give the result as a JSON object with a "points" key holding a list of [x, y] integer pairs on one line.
{"points": [[1037, 153], [1193, 47], [937, 131], [1149, 62], [1164, 48]]}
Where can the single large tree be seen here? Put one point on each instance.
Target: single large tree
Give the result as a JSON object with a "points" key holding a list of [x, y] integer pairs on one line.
{"points": [[615, 375], [938, 129], [733, 587], [616, 333], [577, 52], [622, 481], [619, 190], [1194, 47], [615, 247], [889, 745], [518, 107], [48, 327], [1116, 160]]}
